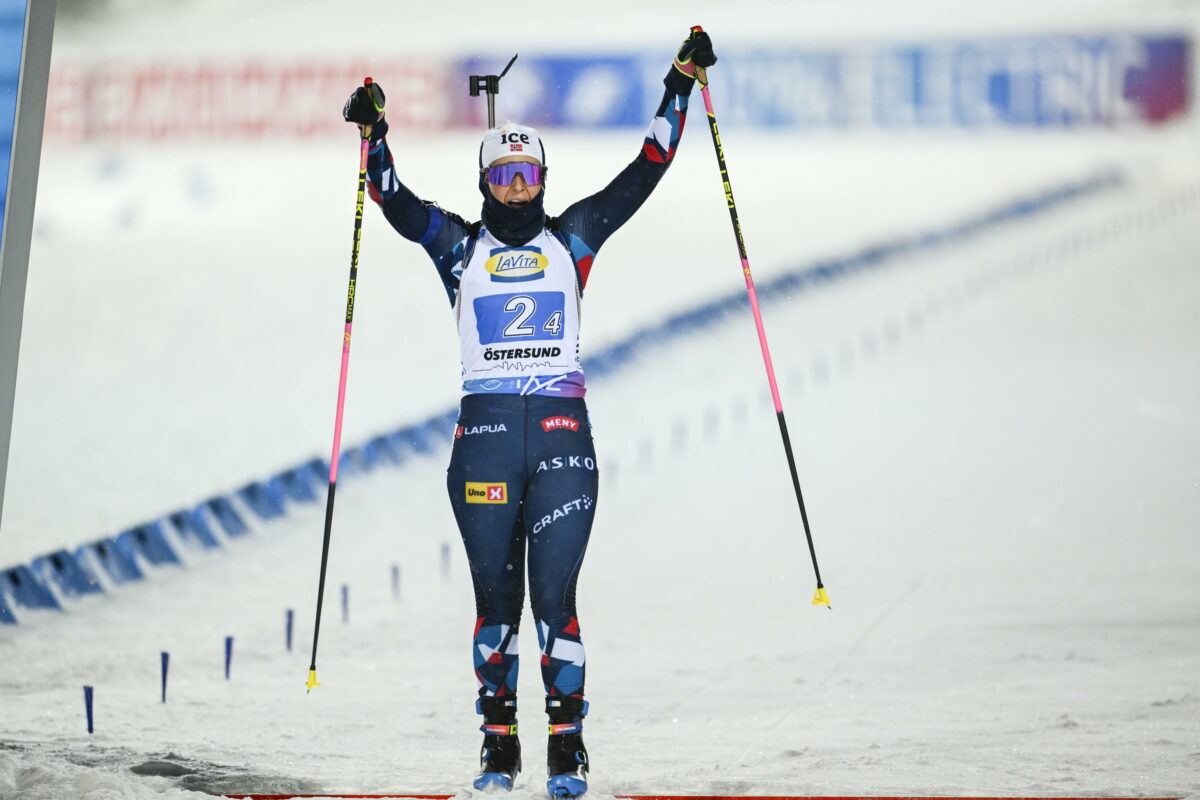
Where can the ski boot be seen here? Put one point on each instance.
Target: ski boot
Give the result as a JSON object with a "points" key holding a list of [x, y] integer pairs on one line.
{"points": [[566, 757], [500, 758]]}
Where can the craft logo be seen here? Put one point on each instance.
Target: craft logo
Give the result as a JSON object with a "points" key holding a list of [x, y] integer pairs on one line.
{"points": [[584, 503], [560, 423], [512, 264], [490, 493]]}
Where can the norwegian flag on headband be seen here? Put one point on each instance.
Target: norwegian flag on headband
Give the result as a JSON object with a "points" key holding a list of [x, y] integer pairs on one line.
{"points": [[516, 148]]}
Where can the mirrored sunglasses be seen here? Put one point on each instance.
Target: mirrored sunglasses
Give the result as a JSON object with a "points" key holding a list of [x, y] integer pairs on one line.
{"points": [[503, 174]]}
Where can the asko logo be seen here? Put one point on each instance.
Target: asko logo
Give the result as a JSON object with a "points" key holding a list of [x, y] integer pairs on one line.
{"points": [[482, 492], [560, 423]]}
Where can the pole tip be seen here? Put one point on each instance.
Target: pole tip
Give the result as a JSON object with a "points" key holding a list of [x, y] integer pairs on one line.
{"points": [[312, 680]]}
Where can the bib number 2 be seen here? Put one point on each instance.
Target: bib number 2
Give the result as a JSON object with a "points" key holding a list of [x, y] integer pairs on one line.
{"points": [[531, 316]]}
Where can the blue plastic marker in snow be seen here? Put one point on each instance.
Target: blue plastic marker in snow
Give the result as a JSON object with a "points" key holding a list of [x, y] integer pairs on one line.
{"points": [[228, 654], [345, 602], [87, 704], [291, 616], [166, 659], [395, 581]]}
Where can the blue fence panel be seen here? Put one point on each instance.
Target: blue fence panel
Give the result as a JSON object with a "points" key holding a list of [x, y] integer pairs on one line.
{"points": [[350, 464], [6, 615], [379, 450], [25, 589], [294, 484], [222, 510], [414, 438], [191, 527], [318, 472], [117, 564], [150, 542], [72, 576], [262, 500]]}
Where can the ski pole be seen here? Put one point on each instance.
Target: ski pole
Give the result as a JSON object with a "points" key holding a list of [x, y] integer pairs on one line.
{"points": [[364, 147], [821, 597]]}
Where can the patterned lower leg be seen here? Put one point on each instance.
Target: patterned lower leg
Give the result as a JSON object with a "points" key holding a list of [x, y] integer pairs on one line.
{"points": [[496, 658], [563, 658]]}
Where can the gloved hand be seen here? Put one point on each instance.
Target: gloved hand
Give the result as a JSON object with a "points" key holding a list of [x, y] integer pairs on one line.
{"points": [[365, 109], [696, 51]]}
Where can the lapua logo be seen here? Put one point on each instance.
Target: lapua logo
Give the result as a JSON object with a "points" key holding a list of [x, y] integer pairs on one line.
{"points": [[461, 431], [560, 423], [488, 493]]}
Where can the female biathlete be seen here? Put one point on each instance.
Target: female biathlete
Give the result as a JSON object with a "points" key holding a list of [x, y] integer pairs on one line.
{"points": [[522, 477]]}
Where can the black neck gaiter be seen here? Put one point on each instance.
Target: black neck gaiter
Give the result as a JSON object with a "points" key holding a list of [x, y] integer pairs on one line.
{"points": [[513, 226]]}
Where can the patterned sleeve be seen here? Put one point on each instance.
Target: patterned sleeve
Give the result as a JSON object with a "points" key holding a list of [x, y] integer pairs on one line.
{"points": [[588, 223], [441, 233]]}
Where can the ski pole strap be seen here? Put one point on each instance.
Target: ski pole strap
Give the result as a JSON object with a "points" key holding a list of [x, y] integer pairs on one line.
{"points": [[566, 727], [499, 730]]}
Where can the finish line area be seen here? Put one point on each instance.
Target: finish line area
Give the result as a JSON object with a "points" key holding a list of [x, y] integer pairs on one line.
{"points": [[690, 797]]}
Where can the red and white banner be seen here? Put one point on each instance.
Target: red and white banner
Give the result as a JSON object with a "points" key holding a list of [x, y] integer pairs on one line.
{"points": [[246, 100]]}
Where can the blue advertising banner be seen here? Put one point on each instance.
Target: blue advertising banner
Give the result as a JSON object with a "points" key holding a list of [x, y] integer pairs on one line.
{"points": [[1047, 81], [12, 34]]}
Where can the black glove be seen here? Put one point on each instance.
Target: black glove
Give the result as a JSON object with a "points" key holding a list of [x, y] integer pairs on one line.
{"points": [[697, 48], [696, 51], [365, 106]]}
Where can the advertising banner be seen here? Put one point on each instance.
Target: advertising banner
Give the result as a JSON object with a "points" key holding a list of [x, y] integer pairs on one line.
{"points": [[1035, 82]]}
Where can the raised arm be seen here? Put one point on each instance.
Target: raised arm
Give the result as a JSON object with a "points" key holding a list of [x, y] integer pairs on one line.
{"points": [[439, 232], [589, 222]]}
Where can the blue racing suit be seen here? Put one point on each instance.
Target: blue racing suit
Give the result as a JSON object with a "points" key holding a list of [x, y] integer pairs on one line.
{"points": [[523, 478]]}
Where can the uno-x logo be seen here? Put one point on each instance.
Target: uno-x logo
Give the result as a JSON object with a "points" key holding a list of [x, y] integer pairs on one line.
{"points": [[491, 493], [560, 423]]}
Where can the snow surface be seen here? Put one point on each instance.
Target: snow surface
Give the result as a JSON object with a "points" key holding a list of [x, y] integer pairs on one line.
{"points": [[998, 442]]}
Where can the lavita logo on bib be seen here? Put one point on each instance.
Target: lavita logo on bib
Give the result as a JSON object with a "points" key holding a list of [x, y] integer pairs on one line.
{"points": [[513, 264]]}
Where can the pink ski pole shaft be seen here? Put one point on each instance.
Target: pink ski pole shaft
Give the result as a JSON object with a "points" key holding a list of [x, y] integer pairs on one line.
{"points": [[364, 147], [821, 597]]}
